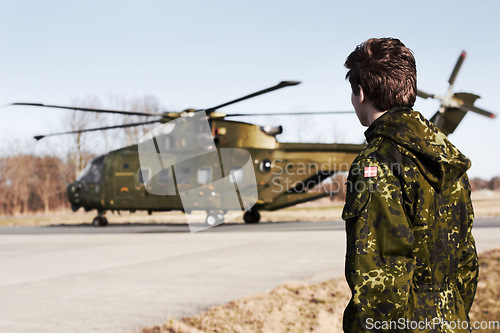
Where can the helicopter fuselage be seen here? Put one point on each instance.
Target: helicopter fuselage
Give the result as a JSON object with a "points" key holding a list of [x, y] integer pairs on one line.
{"points": [[285, 173]]}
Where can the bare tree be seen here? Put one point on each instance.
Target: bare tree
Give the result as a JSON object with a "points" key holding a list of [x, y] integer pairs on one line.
{"points": [[48, 183], [18, 180], [4, 187], [80, 152], [131, 135], [88, 145], [146, 103]]}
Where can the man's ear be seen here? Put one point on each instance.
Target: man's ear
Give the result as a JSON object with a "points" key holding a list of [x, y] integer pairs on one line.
{"points": [[361, 94]]}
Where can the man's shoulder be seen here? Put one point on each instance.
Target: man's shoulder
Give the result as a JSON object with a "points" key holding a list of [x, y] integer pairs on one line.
{"points": [[371, 149], [369, 176], [380, 151]]}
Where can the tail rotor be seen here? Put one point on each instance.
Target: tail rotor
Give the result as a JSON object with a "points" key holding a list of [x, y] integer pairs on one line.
{"points": [[454, 106]]}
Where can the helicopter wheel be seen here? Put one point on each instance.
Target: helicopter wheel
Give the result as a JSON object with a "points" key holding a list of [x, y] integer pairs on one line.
{"points": [[251, 216], [100, 221], [214, 218]]}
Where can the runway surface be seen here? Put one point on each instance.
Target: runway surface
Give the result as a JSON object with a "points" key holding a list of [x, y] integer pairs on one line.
{"points": [[120, 228], [123, 277]]}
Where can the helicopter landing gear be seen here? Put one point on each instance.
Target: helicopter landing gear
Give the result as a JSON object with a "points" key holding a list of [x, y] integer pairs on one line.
{"points": [[214, 218], [100, 220], [251, 216]]}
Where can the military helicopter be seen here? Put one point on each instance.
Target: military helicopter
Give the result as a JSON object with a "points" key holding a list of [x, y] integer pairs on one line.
{"points": [[285, 173]]}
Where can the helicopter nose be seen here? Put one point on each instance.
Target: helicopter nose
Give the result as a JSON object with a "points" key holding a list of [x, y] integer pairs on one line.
{"points": [[73, 191]]}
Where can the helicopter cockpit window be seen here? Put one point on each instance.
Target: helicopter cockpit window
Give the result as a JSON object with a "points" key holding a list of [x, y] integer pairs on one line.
{"points": [[204, 175], [236, 175], [93, 171], [144, 174]]}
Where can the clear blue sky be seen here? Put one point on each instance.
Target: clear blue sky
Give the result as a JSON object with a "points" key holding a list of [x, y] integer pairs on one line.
{"points": [[202, 53]]}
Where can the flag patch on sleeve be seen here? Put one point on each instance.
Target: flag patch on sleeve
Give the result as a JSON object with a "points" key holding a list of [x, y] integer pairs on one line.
{"points": [[370, 171]]}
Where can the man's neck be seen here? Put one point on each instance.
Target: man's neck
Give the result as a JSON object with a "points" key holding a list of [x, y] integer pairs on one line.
{"points": [[374, 114]]}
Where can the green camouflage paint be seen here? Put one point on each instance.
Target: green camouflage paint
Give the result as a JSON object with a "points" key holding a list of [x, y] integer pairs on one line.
{"points": [[410, 251]]}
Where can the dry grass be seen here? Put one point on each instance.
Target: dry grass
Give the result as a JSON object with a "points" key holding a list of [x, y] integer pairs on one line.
{"points": [[316, 307], [289, 308], [486, 305], [486, 203]]}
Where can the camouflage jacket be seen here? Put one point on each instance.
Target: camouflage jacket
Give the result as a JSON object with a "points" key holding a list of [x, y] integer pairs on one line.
{"points": [[411, 261]]}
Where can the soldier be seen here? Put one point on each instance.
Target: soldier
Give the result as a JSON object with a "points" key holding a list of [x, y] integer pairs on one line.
{"points": [[411, 261]]}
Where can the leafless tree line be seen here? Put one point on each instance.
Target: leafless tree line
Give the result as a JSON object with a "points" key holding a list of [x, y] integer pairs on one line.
{"points": [[478, 184], [30, 184]]}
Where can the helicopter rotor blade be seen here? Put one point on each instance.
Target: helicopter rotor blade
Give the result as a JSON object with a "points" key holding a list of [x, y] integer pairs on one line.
{"points": [[459, 63], [483, 112], [287, 113], [280, 85], [39, 137], [75, 108], [424, 95]]}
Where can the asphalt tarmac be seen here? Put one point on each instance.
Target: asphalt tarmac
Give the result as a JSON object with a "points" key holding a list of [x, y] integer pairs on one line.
{"points": [[126, 276]]}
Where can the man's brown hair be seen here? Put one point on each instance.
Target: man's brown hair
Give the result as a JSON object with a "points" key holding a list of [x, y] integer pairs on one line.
{"points": [[386, 70]]}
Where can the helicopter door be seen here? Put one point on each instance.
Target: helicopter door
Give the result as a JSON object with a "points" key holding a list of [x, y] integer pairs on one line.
{"points": [[124, 179]]}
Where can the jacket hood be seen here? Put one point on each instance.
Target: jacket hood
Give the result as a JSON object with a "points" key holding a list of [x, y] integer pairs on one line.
{"points": [[440, 162]]}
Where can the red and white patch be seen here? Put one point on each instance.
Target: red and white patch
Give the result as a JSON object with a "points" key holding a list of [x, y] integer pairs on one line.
{"points": [[371, 171]]}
